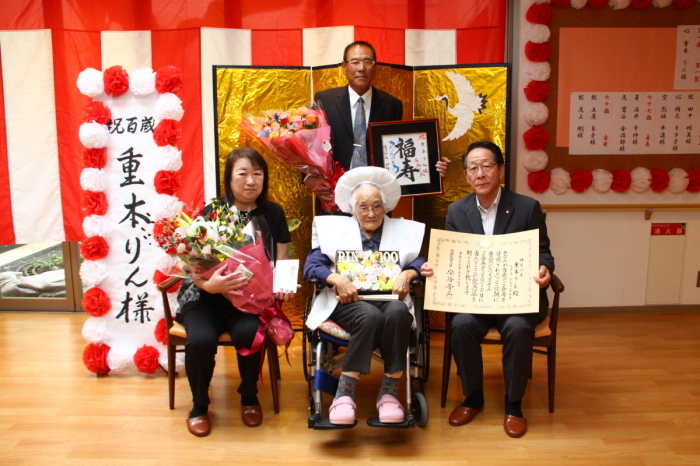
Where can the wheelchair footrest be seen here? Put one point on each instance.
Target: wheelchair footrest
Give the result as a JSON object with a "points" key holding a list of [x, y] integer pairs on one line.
{"points": [[325, 424], [325, 382], [408, 422]]}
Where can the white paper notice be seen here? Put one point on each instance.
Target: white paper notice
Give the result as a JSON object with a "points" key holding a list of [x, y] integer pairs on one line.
{"points": [[483, 274], [286, 273]]}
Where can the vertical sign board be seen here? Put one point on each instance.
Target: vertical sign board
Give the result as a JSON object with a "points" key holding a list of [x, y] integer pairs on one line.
{"points": [[665, 272]]}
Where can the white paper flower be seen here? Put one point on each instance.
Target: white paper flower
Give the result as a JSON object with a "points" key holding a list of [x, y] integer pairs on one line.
{"points": [[167, 158], [602, 180], [678, 180], [93, 135], [535, 161], [578, 4], [619, 4], [641, 179], [97, 225], [166, 206], [179, 360], [538, 71], [92, 273], [91, 82], [142, 81], [560, 181], [661, 3], [120, 359], [166, 263], [95, 330], [168, 107], [93, 179], [535, 113], [537, 33]]}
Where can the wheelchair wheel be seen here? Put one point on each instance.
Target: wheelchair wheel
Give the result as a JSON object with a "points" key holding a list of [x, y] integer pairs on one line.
{"points": [[420, 409], [306, 349]]}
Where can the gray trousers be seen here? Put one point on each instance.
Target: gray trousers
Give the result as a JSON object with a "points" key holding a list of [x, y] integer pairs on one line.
{"points": [[518, 334], [382, 324]]}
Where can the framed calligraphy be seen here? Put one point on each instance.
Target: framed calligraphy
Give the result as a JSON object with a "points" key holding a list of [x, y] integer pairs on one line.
{"points": [[409, 150]]}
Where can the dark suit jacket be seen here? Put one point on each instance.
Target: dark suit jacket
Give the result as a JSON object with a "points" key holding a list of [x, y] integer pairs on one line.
{"points": [[335, 103], [515, 213]]}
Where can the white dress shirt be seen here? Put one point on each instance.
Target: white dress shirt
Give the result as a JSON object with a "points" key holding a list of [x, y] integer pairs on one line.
{"points": [[488, 216]]}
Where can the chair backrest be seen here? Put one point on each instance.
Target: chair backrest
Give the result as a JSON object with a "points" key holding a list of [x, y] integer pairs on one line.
{"points": [[163, 288], [557, 288]]}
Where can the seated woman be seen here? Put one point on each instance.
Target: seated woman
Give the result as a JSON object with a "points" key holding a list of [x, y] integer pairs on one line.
{"points": [[368, 193], [206, 312]]}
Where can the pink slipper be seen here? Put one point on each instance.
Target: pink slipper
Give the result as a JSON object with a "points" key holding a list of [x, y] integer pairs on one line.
{"points": [[342, 411], [390, 410]]}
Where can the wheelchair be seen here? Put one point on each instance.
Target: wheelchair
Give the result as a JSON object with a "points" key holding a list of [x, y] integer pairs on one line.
{"points": [[323, 354]]}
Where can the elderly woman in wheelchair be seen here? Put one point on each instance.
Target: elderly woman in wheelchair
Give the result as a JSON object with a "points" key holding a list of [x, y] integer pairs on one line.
{"points": [[368, 193]]}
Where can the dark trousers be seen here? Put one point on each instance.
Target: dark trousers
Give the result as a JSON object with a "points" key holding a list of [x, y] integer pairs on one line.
{"points": [[383, 324], [518, 334], [203, 329]]}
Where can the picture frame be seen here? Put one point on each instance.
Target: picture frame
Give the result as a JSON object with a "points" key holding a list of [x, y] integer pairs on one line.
{"points": [[409, 150]]}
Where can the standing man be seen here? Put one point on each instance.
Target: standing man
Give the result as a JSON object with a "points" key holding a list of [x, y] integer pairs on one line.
{"points": [[492, 210]]}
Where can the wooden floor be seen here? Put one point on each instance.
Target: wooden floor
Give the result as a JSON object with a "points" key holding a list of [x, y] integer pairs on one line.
{"points": [[628, 392]]}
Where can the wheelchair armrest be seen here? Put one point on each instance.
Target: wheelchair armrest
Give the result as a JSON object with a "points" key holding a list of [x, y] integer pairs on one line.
{"points": [[417, 281], [315, 281]]}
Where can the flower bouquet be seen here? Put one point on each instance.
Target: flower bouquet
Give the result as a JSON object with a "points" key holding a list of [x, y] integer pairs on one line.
{"points": [[300, 138], [222, 239]]}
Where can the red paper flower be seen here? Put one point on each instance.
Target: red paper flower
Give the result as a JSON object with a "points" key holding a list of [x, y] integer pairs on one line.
{"points": [[536, 138], [116, 81], [168, 132], [94, 203], [596, 4], [659, 180], [539, 13], [581, 180], [159, 277], [95, 158], [94, 247], [146, 359], [537, 91], [622, 180], [98, 112], [537, 52], [693, 181], [538, 181], [640, 4], [683, 4], [96, 302], [166, 182], [161, 333], [168, 79], [560, 3], [95, 358]]}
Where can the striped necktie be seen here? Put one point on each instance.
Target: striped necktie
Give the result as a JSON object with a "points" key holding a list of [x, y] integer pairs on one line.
{"points": [[359, 152]]}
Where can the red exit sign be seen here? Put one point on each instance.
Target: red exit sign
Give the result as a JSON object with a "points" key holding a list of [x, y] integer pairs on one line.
{"points": [[668, 229]]}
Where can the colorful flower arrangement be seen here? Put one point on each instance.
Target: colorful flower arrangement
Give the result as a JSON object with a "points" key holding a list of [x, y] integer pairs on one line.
{"points": [[369, 273]]}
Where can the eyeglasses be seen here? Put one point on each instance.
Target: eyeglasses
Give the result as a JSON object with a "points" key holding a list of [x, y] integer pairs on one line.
{"points": [[486, 168], [376, 208], [365, 63]]}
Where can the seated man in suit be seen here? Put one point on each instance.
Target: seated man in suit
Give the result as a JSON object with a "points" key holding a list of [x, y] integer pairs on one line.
{"points": [[492, 210]]}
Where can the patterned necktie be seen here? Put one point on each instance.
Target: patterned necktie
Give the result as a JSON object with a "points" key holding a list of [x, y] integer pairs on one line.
{"points": [[359, 153]]}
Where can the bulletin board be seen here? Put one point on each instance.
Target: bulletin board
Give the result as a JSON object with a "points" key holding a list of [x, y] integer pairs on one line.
{"points": [[625, 50]]}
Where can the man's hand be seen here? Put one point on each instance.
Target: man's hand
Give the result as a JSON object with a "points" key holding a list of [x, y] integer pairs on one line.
{"points": [[441, 166], [320, 187], [544, 277], [286, 295], [346, 291], [402, 285]]}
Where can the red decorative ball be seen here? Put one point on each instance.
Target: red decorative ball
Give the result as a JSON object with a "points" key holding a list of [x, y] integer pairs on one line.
{"points": [[161, 333], [537, 52], [536, 138], [539, 13], [95, 358], [640, 4], [596, 4], [94, 203], [560, 3], [168, 132], [693, 181], [159, 277], [98, 112], [96, 302], [539, 181], [659, 180], [116, 81], [146, 359], [537, 91], [166, 182], [581, 180], [683, 4], [94, 247], [168, 79], [622, 180], [95, 158]]}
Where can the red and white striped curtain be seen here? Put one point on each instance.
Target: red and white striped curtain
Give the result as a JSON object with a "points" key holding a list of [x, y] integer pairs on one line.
{"points": [[44, 44]]}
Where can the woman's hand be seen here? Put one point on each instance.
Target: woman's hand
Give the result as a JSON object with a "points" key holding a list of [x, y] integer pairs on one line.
{"points": [[426, 270], [224, 284], [286, 295], [346, 291], [402, 285]]}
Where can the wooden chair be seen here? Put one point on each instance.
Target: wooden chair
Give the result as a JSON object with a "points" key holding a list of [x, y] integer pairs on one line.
{"points": [[177, 336], [545, 337]]}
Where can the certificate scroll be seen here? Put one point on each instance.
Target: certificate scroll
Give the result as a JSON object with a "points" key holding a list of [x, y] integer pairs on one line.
{"points": [[483, 274]]}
